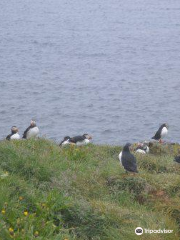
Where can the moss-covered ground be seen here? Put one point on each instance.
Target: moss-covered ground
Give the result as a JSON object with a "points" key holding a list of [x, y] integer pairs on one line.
{"points": [[53, 193]]}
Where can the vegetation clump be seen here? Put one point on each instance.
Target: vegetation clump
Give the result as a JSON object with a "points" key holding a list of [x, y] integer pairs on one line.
{"points": [[83, 193]]}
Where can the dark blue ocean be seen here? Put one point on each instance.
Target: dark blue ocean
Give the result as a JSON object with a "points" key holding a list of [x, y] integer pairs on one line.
{"points": [[107, 68]]}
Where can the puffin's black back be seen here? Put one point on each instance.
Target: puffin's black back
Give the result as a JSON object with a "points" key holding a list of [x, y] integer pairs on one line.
{"points": [[77, 139], [26, 131], [157, 136], [128, 160], [9, 136]]}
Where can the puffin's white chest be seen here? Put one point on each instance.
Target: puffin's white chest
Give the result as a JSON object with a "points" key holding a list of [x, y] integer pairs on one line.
{"points": [[65, 142], [141, 151], [15, 136], [164, 132], [84, 142], [33, 132], [147, 149], [120, 157]]}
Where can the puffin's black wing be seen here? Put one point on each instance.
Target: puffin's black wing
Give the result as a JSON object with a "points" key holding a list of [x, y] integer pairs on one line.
{"points": [[26, 131], [129, 162], [77, 139], [9, 136], [177, 159], [157, 136], [61, 142]]}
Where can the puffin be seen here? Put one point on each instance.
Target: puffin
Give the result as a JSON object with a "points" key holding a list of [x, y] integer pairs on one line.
{"points": [[81, 140], [142, 148], [14, 134], [161, 133], [65, 141], [128, 160], [177, 159], [32, 131]]}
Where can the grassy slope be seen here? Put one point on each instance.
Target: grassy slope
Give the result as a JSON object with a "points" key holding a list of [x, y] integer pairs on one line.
{"points": [[83, 193]]}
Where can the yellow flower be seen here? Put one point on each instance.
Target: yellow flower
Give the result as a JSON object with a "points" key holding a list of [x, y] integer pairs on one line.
{"points": [[3, 211], [20, 198], [25, 213], [36, 234], [11, 230]]}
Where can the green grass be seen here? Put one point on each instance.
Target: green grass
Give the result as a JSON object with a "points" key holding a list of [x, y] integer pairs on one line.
{"points": [[50, 193]]}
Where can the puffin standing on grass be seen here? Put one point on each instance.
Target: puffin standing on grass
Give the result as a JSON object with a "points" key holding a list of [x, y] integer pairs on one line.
{"points": [[161, 133], [81, 140], [128, 160], [14, 134], [32, 131]]}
